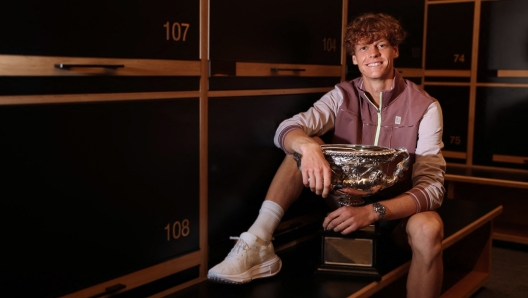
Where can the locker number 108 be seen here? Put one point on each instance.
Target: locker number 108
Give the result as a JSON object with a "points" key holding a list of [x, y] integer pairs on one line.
{"points": [[177, 229]]}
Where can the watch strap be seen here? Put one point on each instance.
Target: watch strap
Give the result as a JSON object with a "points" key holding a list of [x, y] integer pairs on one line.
{"points": [[380, 210]]}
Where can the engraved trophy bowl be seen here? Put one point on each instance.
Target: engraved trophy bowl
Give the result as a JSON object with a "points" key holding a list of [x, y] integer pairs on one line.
{"points": [[359, 171]]}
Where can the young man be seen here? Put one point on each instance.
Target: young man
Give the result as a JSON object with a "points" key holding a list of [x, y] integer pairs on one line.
{"points": [[378, 108]]}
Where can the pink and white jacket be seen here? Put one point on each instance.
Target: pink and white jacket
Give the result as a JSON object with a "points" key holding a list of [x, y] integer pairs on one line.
{"points": [[407, 117]]}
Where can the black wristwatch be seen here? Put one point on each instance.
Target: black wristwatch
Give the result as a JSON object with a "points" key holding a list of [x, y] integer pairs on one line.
{"points": [[380, 210]]}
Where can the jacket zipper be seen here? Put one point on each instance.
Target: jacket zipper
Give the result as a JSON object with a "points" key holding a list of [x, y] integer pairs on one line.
{"points": [[378, 128]]}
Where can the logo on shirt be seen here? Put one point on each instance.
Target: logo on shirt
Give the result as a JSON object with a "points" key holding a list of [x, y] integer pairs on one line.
{"points": [[397, 120]]}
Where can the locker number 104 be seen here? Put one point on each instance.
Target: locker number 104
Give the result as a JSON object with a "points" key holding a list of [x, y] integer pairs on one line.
{"points": [[329, 44]]}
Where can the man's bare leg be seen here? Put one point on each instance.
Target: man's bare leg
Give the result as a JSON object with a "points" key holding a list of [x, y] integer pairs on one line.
{"points": [[284, 189], [253, 256], [425, 232], [286, 185]]}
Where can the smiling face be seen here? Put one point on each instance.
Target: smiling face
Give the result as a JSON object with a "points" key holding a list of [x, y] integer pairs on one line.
{"points": [[375, 60]]}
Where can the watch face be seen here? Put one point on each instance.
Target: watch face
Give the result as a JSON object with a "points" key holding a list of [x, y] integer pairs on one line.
{"points": [[380, 210]]}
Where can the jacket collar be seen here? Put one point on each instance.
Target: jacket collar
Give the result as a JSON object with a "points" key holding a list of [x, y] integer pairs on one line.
{"points": [[398, 85]]}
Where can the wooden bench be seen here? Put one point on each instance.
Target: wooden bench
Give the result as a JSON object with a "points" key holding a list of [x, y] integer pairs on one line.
{"points": [[503, 186], [467, 258]]}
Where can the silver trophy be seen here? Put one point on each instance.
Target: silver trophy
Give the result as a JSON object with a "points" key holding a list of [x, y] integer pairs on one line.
{"points": [[358, 171]]}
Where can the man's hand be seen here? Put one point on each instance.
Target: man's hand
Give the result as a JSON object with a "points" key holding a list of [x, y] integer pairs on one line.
{"points": [[348, 219], [315, 170]]}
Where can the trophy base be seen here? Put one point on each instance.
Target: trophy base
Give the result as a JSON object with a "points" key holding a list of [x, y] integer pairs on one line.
{"points": [[354, 254], [370, 274]]}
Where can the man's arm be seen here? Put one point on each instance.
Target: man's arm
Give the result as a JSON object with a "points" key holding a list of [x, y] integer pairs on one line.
{"points": [[429, 167], [300, 134], [316, 121]]}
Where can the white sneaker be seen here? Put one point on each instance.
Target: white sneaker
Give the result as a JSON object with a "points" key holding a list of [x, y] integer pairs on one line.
{"points": [[249, 259]]}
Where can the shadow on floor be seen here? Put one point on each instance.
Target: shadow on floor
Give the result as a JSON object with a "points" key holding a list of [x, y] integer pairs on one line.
{"points": [[509, 272]]}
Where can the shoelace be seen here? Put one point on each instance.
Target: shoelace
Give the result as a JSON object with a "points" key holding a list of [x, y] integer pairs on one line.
{"points": [[241, 244]]}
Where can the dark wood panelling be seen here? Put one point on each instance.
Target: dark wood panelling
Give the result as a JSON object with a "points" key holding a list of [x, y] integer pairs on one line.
{"points": [[449, 36], [296, 31], [252, 83], [98, 28], [454, 101], [501, 122], [92, 191], [34, 85], [503, 40]]}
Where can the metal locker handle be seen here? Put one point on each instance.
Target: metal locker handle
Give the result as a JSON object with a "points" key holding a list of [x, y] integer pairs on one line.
{"points": [[69, 66]]}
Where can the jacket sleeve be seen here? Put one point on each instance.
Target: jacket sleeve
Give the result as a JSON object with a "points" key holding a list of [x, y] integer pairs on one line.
{"points": [[429, 167], [318, 120]]}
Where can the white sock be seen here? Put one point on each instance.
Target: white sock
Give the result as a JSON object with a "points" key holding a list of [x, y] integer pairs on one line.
{"points": [[269, 217]]}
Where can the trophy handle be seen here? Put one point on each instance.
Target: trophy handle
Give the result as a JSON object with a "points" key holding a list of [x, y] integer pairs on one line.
{"points": [[401, 167]]}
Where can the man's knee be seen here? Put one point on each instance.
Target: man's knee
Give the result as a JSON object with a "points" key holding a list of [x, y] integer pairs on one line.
{"points": [[425, 231]]}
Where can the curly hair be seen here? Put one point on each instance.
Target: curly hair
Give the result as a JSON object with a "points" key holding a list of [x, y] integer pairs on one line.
{"points": [[370, 27]]}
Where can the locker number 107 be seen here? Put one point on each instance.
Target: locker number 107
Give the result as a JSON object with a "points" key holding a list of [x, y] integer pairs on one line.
{"points": [[176, 31]]}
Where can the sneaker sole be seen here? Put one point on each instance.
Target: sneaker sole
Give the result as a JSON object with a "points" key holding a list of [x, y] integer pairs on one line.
{"points": [[266, 269]]}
